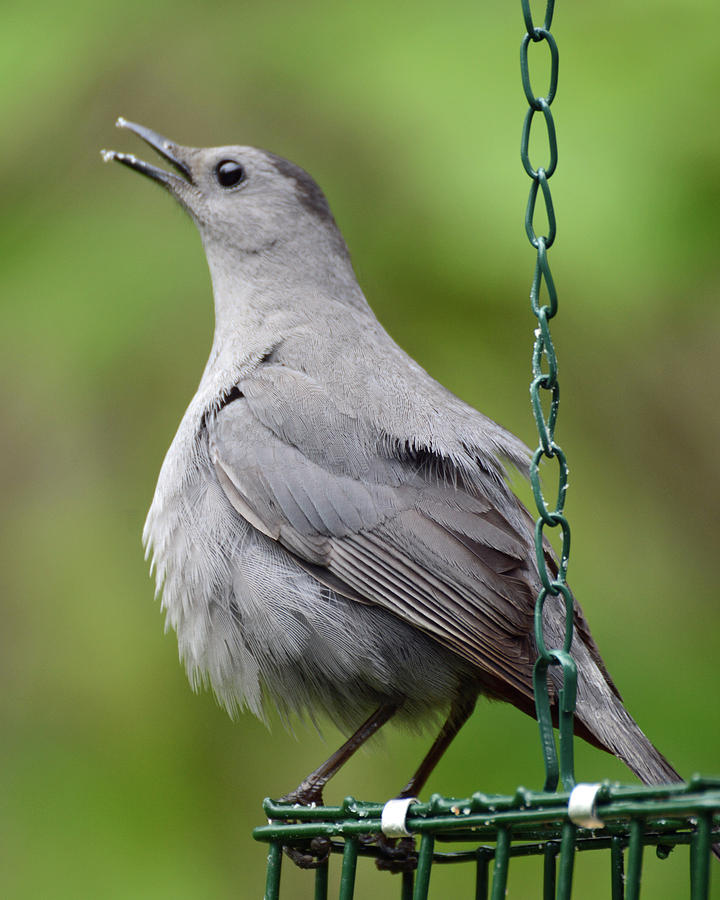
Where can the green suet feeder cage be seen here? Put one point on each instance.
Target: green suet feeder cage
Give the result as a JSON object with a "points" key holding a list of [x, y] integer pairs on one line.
{"points": [[550, 824]]}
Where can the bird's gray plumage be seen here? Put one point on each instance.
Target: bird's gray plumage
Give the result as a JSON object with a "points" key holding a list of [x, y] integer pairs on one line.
{"points": [[332, 529]]}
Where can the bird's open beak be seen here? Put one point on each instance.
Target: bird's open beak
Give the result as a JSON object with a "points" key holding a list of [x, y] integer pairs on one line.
{"points": [[172, 152]]}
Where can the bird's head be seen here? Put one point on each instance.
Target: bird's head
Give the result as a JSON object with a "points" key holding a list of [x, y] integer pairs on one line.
{"points": [[244, 201]]}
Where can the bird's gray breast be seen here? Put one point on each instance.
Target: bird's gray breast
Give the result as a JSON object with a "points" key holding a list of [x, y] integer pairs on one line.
{"points": [[194, 539]]}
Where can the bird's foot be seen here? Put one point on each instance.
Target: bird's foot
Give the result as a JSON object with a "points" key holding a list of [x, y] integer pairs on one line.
{"points": [[305, 794], [313, 853], [310, 855], [394, 854]]}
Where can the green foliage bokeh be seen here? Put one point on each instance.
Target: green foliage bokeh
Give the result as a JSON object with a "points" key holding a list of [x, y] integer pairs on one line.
{"points": [[116, 780]]}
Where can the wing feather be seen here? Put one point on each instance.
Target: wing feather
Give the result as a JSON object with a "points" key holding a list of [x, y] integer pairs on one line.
{"points": [[403, 533]]}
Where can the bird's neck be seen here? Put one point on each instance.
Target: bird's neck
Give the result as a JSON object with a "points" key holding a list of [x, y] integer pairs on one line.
{"points": [[260, 295]]}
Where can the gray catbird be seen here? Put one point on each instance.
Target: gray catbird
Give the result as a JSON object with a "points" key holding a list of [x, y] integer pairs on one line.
{"points": [[332, 529]]}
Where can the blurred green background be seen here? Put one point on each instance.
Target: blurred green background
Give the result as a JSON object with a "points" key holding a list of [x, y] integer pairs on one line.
{"points": [[119, 782]]}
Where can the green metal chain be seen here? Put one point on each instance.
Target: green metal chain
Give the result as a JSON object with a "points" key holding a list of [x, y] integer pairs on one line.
{"points": [[544, 368]]}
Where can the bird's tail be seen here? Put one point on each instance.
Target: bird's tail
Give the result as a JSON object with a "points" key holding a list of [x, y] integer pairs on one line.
{"points": [[611, 727], [600, 716]]}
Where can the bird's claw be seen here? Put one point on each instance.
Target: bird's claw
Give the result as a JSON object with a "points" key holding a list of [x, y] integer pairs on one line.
{"points": [[393, 855], [314, 853], [311, 855]]}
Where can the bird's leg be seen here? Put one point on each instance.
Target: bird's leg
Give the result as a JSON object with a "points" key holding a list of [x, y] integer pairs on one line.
{"points": [[399, 855], [310, 789], [460, 712]]}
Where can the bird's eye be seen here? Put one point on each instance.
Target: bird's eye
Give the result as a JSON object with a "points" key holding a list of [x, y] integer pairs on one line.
{"points": [[229, 173]]}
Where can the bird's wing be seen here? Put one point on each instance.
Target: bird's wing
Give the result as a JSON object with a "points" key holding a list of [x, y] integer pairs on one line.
{"points": [[392, 525]]}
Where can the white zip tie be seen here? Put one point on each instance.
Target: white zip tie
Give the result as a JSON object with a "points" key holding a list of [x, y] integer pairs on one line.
{"points": [[394, 816], [582, 806]]}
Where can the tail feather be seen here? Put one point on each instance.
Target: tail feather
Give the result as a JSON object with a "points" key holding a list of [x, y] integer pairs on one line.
{"points": [[601, 717], [600, 710], [613, 728]]}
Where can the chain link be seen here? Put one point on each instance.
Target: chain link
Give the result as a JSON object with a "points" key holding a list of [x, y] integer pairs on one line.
{"points": [[545, 371]]}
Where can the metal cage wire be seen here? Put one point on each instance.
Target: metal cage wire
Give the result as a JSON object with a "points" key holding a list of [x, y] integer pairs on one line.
{"points": [[503, 828]]}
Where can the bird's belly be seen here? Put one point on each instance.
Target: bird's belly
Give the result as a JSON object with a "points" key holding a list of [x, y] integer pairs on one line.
{"points": [[254, 625]]}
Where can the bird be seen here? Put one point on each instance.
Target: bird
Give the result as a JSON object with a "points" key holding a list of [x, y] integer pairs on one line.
{"points": [[332, 531]]}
